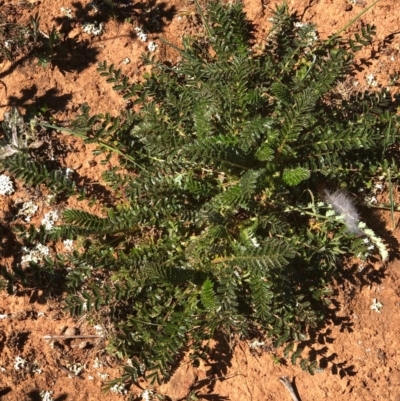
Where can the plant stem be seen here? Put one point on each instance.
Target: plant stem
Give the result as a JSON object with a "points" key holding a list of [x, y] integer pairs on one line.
{"points": [[100, 142]]}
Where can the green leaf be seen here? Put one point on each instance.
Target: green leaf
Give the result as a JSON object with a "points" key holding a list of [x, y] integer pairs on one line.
{"points": [[295, 176]]}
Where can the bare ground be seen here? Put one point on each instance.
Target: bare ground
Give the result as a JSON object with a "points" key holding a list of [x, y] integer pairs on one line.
{"points": [[359, 353]]}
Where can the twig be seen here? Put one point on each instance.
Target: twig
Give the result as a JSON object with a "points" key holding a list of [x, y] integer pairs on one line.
{"points": [[285, 381], [48, 337]]}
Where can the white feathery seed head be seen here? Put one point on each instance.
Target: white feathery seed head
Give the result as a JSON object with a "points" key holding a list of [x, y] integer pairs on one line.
{"points": [[343, 206]]}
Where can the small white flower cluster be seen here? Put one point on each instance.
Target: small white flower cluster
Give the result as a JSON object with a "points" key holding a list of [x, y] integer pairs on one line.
{"points": [[99, 329], [68, 245], [46, 395], [126, 60], [68, 172], [371, 81], [76, 368], [103, 376], [255, 344], [152, 47], [146, 395], [118, 389], [376, 306], [312, 35], [97, 363], [371, 193], [35, 254], [49, 219], [141, 35], [8, 44], [366, 241], [94, 29], [67, 12], [28, 210], [6, 185], [20, 363], [377, 241]]}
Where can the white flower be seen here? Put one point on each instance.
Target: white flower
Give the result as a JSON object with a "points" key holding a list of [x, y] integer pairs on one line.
{"points": [[68, 244], [49, 219], [152, 47], [28, 209], [141, 35], [126, 60], [67, 12], [313, 37], [99, 329], [93, 29], [76, 368], [146, 395], [371, 80], [256, 344], [103, 376], [68, 171], [97, 363], [35, 254], [19, 363], [46, 395], [6, 185], [376, 306], [118, 389], [371, 199]]}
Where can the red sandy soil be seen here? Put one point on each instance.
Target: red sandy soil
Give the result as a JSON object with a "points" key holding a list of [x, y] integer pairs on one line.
{"points": [[360, 349]]}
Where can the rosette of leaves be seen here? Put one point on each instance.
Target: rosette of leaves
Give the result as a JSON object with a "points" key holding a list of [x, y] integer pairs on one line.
{"points": [[219, 225]]}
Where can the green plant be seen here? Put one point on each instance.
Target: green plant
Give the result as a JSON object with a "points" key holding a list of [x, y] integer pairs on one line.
{"points": [[48, 50], [221, 223]]}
